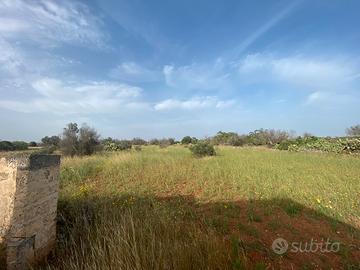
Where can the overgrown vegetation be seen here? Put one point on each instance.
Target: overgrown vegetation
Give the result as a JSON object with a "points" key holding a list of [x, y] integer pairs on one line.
{"points": [[333, 145], [86, 141], [202, 149], [75, 141], [157, 209], [189, 140], [13, 146], [116, 145]]}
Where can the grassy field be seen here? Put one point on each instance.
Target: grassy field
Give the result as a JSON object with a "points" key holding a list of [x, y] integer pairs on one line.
{"points": [[164, 209]]}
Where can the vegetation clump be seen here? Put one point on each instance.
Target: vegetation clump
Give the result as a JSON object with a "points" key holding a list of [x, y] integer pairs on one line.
{"points": [[327, 144], [75, 141], [202, 149], [268, 137], [111, 145], [189, 140], [13, 146]]}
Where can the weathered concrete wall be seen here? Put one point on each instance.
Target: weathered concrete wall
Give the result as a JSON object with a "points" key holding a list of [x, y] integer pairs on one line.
{"points": [[28, 204]]}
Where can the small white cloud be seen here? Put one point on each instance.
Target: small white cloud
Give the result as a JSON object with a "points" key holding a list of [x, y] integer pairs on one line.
{"points": [[193, 103], [314, 97]]}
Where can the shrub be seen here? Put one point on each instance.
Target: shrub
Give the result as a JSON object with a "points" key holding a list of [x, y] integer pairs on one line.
{"points": [[267, 137], [202, 149], [284, 145], [165, 142], [117, 145], [20, 145], [352, 145], [188, 140], [13, 146], [88, 140], [124, 145], [6, 146], [137, 148], [51, 141], [138, 141], [328, 144], [32, 144], [75, 141], [69, 141], [154, 142]]}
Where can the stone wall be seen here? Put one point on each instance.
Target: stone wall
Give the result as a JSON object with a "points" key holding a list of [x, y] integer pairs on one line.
{"points": [[28, 204]]}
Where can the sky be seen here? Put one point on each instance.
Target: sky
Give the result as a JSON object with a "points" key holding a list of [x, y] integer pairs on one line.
{"points": [[175, 68]]}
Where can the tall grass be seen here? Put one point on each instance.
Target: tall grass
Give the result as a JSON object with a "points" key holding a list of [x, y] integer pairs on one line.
{"points": [[235, 174], [164, 209], [100, 234]]}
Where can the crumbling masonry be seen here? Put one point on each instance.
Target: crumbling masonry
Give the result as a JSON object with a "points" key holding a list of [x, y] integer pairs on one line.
{"points": [[28, 203]]}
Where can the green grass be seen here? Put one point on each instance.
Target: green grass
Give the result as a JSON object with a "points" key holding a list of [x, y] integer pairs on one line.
{"points": [[327, 183], [163, 209]]}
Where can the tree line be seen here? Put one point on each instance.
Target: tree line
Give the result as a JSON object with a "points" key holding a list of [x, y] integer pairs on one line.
{"points": [[85, 140]]}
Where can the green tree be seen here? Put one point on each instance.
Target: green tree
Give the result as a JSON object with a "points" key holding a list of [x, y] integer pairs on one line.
{"points": [[188, 140], [51, 141]]}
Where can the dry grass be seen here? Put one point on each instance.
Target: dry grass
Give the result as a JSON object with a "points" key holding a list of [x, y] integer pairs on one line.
{"points": [[164, 209], [101, 234]]}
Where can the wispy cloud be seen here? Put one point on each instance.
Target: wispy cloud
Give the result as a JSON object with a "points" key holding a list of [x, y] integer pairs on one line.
{"points": [[134, 72], [49, 23], [193, 103], [56, 96], [197, 76], [253, 37], [331, 99], [310, 73]]}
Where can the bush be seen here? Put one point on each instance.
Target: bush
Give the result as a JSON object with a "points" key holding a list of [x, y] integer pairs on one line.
{"points": [[352, 145], [202, 149], [225, 138], [75, 141], [6, 146], [13, 146], [51, 141], [88, 140], [137, 148], [32, 144], [124, 145], [138, 141], [165, 142], [117, 145], [188, 140], [267, 137], [331, 145], [154, 142], [20, 145], [69, 141]]}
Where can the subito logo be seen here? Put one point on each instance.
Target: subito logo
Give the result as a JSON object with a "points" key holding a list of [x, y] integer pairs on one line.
{"points": [[280, 246]]}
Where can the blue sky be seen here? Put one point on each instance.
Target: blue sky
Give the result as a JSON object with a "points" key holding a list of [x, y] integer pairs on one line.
{"points": [[176, 68]]}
